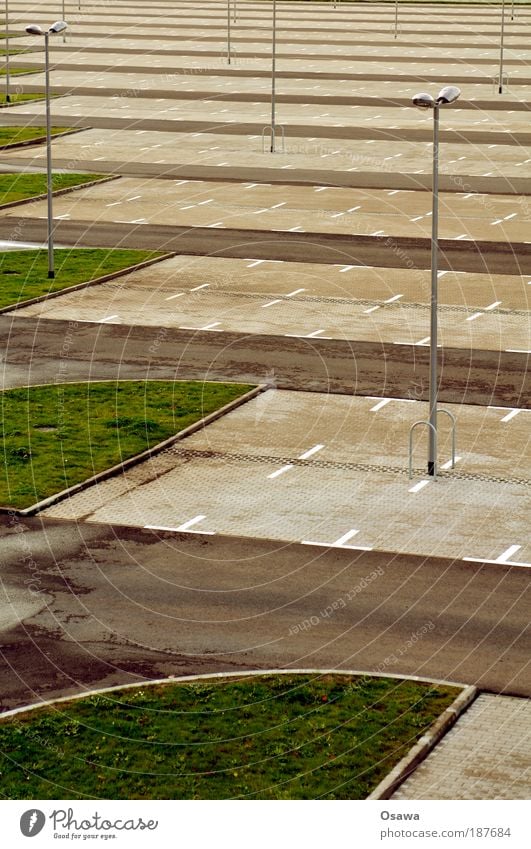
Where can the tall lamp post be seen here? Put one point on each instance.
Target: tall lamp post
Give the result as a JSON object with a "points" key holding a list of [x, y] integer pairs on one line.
{"points": [[35, 29], [8, 90], [447, 95], [502, 32], [396, 18], [228, 33]]}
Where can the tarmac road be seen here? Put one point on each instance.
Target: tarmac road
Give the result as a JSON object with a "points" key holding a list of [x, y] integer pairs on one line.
{"points": [[121, 604]]}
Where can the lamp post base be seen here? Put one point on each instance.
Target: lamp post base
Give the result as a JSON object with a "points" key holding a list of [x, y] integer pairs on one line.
{"points": [[51, 275], [431, 468]]}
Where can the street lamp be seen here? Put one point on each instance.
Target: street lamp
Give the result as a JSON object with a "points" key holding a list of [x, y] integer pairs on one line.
{"points": [[447, 95], [35, 29], [8, 94], [273, 126], [228, 33], [502, 31], [396, 18]]}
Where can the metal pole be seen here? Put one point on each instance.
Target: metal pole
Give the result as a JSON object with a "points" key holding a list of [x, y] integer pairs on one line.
{"points": [[500, 81], [228, 32], [512, 11], [64, 33], [273, 75], [235, 10], [8, 80], [432, 446], [51, 267], [396, 18]]}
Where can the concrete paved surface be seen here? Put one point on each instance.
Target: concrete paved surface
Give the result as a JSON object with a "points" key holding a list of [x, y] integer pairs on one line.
{"points": [[487, 755], [339, 302], [124, 604], [327, 469]]}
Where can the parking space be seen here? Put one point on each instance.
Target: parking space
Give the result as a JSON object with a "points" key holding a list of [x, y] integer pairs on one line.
{"points": [[331, 471]]}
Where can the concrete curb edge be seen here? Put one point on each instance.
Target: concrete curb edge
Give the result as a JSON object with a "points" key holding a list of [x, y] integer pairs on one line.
{"points": [[427, 742], [113, 275], [204, 676], [138, 458]]}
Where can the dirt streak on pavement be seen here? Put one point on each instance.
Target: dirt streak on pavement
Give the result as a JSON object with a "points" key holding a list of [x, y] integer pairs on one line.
{"points": [[119, 604]]}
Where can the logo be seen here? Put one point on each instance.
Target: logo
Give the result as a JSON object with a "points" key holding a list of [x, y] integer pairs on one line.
{"points": [[32, 822]]}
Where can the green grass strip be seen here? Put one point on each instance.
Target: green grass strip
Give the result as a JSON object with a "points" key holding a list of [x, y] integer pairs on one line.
{"points": [[24, 274], [283, 737], [20, 186], [20, 98], [16, 135], [57, 436]]}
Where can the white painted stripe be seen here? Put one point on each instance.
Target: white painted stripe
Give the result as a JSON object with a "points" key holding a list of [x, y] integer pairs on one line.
{"points": [[333, 545], [270, 304], [311, 452], [179, 295], [419, 486], [473, 317], [175, 530], [492, 306], [190, 522], [508, 553], [380, 405], [315, 333], [505, 562], [423, 341], [210, 326], [256, 262], [346, 268], [280, 471], [295, 292], [108, 318], [394, 298], [448, 464], [510, 415], [197, 288], [372, 309], [345, 538]]}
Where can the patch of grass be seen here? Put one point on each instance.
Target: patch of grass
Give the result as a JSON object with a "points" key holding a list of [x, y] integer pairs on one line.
{"points": [[283, 737], [56, 436], [16, 135], [24, 274], [19, 186], [20, 98], [17, 70]]}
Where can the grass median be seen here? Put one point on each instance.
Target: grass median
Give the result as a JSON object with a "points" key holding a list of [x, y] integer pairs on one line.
{"points": [[273, 737], [18, 135], [56, 436], [21, 186], [24, 274]]}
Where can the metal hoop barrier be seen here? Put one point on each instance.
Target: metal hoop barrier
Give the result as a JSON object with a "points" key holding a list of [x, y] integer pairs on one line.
{"points": [[454, 431], [429, 424], [272, 132]]}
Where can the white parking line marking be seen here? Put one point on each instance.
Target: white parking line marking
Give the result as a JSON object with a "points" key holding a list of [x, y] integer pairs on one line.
{"points": [[270, 304], [418, 486], [394, 298], [492, 306], [315, 333], [334, 545], [175, 530], [423, 341], [380, 405], [311, 452], [190, 522], [203, 286], [280, 471], [448, 464], [179, 295], [295, 292], [508, 553], [108, 318], [345, 538], [372, 309], [510, 415], [473, 317]]}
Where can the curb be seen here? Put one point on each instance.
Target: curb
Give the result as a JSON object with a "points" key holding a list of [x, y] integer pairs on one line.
{"points": [[59, 192], [241, 674], [94, 282], [421, 750], [138, 458], [40, 139]]}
